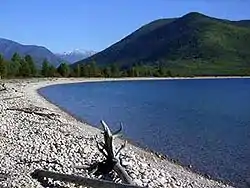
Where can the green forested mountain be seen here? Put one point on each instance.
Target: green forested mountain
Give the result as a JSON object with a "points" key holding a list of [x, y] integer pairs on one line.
{"points": [[194, 44]]}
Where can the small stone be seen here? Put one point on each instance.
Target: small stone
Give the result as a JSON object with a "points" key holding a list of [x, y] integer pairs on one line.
{"points": [[133, 176], [173, 185], [151, 184], [173, 178], [87, 150], [178, 183], [156, 172], [142, 170], [143, 165], [145, 180], [138, 182], [154, 159], [162, 180], [126, 163]]}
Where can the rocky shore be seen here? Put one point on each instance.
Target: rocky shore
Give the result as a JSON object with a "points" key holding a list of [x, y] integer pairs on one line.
{"points": [[35, 134]]}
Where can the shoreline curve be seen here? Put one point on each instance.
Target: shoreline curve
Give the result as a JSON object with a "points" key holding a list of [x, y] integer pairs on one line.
{"points": [[169, 173]]}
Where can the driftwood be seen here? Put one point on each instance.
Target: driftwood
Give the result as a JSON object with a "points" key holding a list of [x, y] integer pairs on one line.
{"points": [[30, 111], [112, 161], [9, 98], [40, 175]]}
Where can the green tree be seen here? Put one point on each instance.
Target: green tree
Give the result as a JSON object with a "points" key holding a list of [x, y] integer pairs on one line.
{"points": [[162, 70], [85, 70], [92, 69], [129, 72], [13, 69], [31, 64], [16, 58], [148, 71], [45, 68], [136, 71], [169, 73], [3, 67], [24, 69], [77, 70], [52, 71], [14, 65], [115, 70], [133, 71], [107, 72], [64, 70]]}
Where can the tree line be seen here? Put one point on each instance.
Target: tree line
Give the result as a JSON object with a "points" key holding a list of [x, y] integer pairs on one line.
{"points": [[24, 67], [18, 67]]}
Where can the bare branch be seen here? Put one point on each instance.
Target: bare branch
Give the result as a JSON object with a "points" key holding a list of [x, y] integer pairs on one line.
{"points": [[108, 140], [118, 132], [106, 128], [112, 162], [123, 174], [121, 147]]}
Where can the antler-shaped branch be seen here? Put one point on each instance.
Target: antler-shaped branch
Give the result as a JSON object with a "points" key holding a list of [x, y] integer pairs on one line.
{"points": [[106, 128], [108, 141], [107, 149]]}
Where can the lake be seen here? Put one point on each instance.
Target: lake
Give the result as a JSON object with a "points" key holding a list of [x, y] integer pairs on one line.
{"points": [[203, 123]]}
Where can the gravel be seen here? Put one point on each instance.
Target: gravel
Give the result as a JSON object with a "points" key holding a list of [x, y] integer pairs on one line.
{"points": [[30, 141]]}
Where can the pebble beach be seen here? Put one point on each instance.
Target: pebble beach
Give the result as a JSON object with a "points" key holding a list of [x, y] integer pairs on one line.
{"points": [[35, 134]]}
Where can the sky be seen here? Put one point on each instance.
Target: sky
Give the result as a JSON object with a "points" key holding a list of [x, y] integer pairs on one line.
{"points": [[64, 25]]}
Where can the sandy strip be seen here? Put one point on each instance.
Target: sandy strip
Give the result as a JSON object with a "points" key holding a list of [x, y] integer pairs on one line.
{"points": [[28, 142]]}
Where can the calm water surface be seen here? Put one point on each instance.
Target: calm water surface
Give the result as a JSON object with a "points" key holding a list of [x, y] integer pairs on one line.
{"points": [[205, 123]]}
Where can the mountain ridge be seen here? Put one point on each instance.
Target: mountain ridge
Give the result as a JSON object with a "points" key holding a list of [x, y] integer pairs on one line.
{"points": [[39, 53], [185, 43]]}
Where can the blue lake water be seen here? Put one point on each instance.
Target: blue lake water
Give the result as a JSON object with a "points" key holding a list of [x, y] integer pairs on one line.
{"points": [[203, 123]]}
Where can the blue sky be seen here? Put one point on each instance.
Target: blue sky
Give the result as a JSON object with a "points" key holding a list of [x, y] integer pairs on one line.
{"points": [[63, 25]]}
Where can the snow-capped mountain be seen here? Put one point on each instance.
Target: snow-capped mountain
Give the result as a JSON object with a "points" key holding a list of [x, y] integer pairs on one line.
{"points": [[75, 55]]}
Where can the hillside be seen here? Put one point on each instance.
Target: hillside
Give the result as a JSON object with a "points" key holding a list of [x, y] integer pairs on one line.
{"points": [[38, 53], [194, 44]]}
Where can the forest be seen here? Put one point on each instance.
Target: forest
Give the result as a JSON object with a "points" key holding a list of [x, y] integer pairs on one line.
{"points": [[25, 67]]}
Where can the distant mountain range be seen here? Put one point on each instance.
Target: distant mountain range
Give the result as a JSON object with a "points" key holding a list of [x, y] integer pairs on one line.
{"points": [[194, 44], [75, 55], [38, 53]]}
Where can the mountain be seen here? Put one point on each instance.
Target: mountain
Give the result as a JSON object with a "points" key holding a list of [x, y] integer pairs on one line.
{"points": [[75, 55], [194, 44], [38, 53]]}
